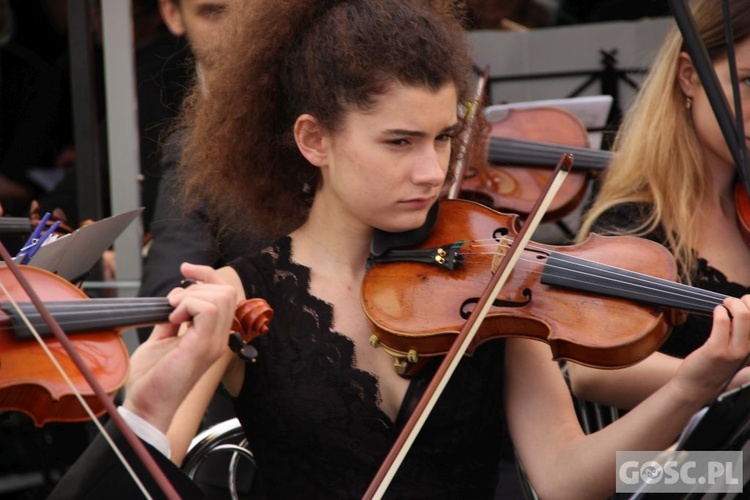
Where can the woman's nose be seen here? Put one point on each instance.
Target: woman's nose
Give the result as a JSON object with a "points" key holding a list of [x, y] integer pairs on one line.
{"points": [[432, 168]]}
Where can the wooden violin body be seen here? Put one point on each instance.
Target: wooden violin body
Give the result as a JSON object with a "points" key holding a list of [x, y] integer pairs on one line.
{"points": [[416, 308], [522, 150], [742, 210], [30, 382]]}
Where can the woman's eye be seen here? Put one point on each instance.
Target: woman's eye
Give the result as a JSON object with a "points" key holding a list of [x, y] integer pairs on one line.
{"points": [[398, 142], [445, 137]]}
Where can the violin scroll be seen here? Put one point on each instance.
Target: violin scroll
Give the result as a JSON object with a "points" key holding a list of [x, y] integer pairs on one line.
{"points": [[250, 321]]}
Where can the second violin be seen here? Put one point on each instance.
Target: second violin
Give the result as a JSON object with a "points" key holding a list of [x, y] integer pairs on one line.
{"points": [[29, 381], [522, 149]]}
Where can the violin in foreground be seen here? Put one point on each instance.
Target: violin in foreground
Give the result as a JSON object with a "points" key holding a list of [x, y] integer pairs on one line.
{"points": [[608, 302]]}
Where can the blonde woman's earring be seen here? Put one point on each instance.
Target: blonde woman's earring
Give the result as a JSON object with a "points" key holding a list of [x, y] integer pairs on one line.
{"points": [[688, 102]]}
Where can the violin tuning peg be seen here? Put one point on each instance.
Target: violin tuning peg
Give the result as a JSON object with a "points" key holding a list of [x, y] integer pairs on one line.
{"points": [[245, 351], [187, 282]]}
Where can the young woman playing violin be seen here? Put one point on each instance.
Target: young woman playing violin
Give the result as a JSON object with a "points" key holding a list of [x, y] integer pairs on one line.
{"points": [[672, 180], [343, 115]]}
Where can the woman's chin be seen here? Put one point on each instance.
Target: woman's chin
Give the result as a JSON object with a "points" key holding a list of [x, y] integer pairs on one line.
{"points": [[403, 224]]}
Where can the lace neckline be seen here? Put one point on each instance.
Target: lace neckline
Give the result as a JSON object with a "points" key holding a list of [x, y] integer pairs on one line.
{"points": [[360, 378], [714, 279]]}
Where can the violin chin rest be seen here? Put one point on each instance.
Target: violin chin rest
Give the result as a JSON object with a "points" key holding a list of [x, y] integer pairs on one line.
{"points": [[382, 241]]}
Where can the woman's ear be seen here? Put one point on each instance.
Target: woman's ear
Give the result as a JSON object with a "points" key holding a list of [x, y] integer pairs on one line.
{"points": [[687, 76], [172, 17], [311, 140]]}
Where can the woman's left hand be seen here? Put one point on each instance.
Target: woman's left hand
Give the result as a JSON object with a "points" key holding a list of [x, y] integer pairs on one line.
{"points": [[164, 369], [706, 370]]}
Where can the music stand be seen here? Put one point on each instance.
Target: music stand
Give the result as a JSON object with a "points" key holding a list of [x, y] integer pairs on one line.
{"points": [[724, 425], [591, 110]]}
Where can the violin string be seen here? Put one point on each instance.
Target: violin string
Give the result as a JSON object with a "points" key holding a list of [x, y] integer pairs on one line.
{"points": [[648, 285], [646, 282], [76, 392], [76, 325], [68, 313], [105, 305], [525, 148], [499, 157], [14, 224], [648, 290], [674, 287]]}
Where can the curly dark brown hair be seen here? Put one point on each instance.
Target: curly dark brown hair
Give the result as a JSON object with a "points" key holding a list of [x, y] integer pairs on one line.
{"points": [[284, 58]]}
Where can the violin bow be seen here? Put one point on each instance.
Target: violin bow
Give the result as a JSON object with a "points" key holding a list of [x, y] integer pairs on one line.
{"points": [[734, 133], [138, 447], [414, 424], [463, 152]]}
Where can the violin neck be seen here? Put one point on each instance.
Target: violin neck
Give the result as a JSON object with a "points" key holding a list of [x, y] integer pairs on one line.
{"points": [[81, 316], [519, 152], [581, 274], [15, 225]]}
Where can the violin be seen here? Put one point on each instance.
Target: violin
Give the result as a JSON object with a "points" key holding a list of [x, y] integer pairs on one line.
{"points": [[31, 384], [742, 211], [607, 302], [16, 225], [523, 148], [732, 127]]}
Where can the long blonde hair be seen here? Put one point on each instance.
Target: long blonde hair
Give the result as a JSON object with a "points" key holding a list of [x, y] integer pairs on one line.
{"points": [[657, 156]]}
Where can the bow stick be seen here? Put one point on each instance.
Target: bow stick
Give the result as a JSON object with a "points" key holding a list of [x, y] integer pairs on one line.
{"points": [[138, 447], [414, 424], [471, 115], [734, 134]]}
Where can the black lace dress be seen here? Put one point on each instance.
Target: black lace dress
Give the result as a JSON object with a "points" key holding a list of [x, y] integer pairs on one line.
{"points": [[312, 418], [690, 335]]}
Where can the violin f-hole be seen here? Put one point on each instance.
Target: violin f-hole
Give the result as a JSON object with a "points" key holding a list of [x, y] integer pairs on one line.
{"points": [[468, 305]]}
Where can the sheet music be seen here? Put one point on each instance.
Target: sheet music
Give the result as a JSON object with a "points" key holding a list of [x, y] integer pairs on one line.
{"points": [[591, 110], [73, 255]]}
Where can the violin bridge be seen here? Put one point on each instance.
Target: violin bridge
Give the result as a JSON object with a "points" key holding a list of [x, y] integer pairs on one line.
{"points": [[502, 248]]}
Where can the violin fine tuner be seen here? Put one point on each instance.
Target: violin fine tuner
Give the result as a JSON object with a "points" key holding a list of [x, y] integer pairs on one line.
{"points": [[446, 256]]}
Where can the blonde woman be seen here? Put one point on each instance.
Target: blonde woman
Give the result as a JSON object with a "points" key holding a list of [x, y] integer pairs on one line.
{"points": [[672, 180]]}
